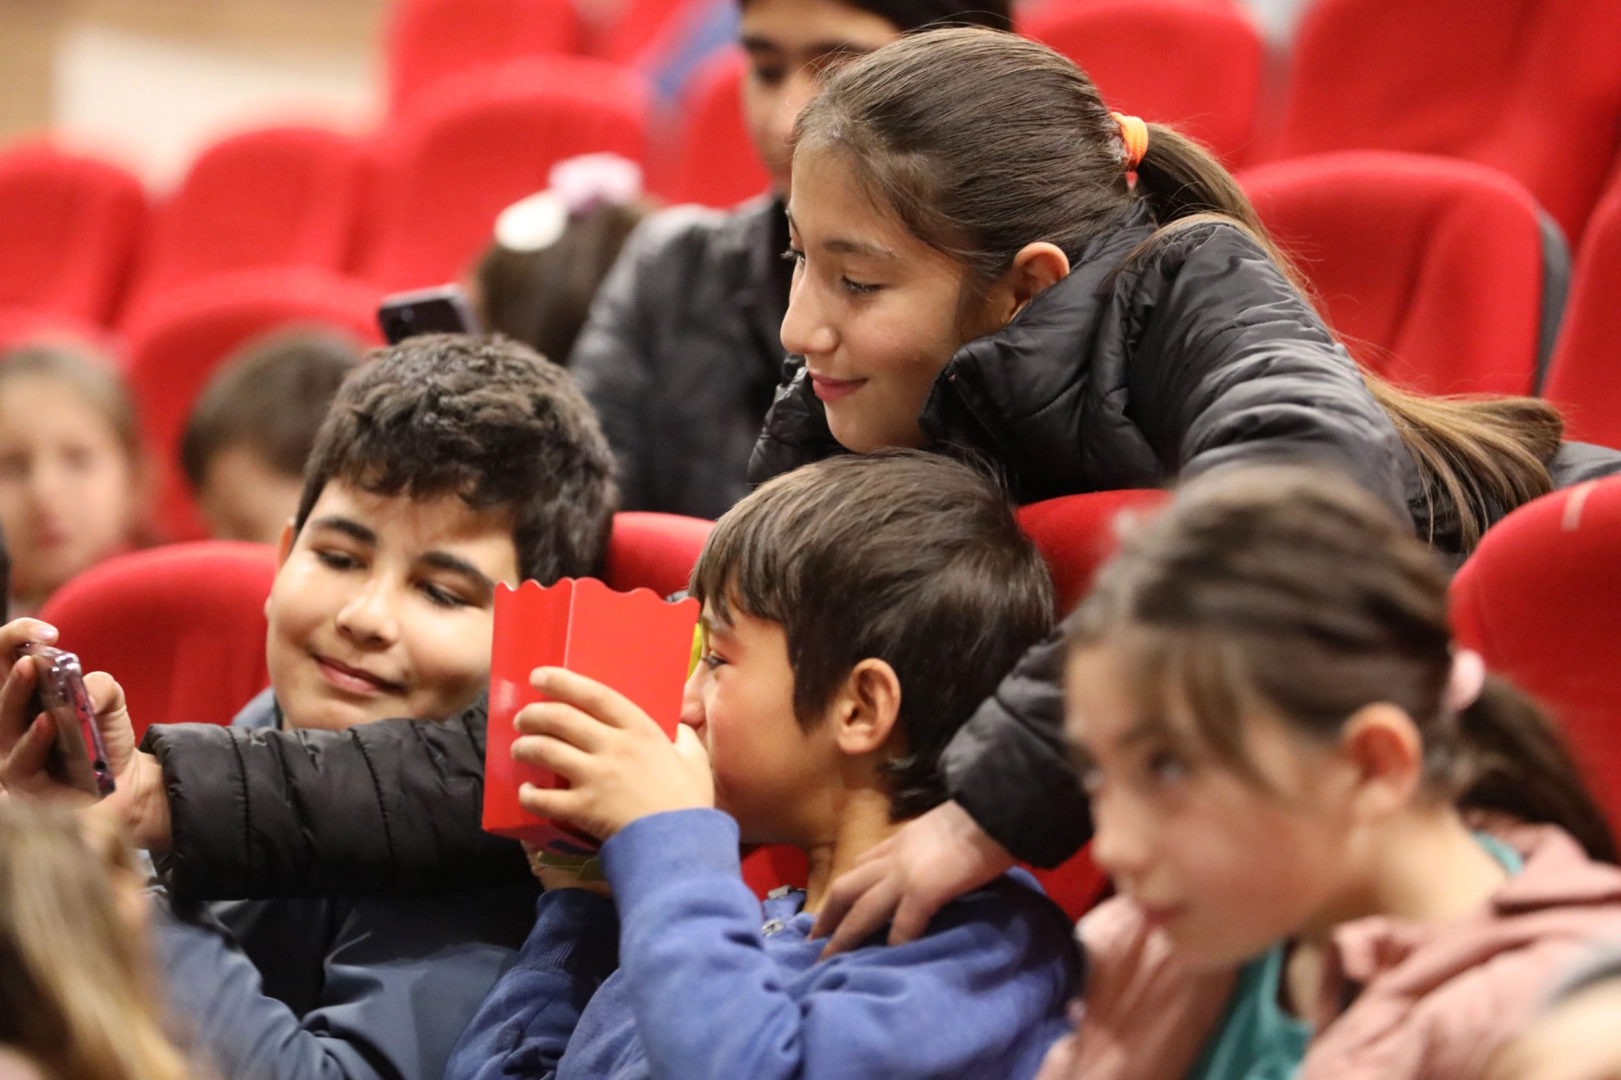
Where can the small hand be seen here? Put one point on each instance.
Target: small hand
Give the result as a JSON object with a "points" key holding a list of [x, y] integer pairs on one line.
{"points": [[618, 762], [907, 878]]}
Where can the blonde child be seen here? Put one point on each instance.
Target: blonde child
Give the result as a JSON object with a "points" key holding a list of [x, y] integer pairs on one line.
{"points": [[1341, 848], [71, 478]]}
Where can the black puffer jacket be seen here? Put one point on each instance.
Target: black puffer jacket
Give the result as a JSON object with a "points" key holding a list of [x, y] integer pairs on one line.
{"points": [[681, 353]]}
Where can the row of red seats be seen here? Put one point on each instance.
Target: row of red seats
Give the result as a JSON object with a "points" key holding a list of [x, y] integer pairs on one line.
{"points": [[1444, 275], [1540, 599]]}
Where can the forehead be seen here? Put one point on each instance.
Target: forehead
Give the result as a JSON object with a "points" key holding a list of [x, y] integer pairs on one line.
{"points": [[829, 209], [418, 525], [811, 26]]}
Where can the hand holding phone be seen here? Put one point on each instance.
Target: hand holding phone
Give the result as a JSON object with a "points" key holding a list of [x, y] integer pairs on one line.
{"points": [[78, 758]]}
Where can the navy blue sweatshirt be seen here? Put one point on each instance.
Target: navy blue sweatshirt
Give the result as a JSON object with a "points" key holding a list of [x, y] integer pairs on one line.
{"points": [[703, 990]]}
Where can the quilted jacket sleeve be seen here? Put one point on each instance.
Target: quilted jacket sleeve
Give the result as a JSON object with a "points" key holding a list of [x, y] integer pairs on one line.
{"points": [[392, 806]]}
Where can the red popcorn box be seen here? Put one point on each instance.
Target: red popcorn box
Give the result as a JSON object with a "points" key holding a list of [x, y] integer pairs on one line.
{"points": [[634, 642]]}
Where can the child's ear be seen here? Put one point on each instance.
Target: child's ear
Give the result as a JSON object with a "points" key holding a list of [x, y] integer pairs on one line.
{"points": [[868, 707], [1386, 752], [1036, 268], [284, 546]]}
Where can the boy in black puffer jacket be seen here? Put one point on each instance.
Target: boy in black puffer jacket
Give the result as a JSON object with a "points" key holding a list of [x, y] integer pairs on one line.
{"points": [[446, 466]]}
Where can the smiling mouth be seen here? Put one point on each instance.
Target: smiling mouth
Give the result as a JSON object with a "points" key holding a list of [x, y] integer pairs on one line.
{"points": [[831, 390], [353, 680]]}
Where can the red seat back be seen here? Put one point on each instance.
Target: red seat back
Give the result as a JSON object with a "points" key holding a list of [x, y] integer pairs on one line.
{"points": [[281, 196], [182, 335], [639, 27], [654, 551], [1532, 87], [1431, 268], [69, 227], [484, 140], [181, 628], [1194, 64], [716, 164], [429, 40], [1585, 379], [1540, 598]]}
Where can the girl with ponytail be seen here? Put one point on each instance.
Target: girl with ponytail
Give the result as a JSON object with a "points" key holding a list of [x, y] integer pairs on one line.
{"points": [[1341, 849], [989, 258]]}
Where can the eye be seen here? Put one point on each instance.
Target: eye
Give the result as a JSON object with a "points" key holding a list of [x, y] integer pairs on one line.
{"points": [[79, 459], [336, 560], [711, 660], [856, 288], [769, 75], [794, 255], [1091, 779], [1167, 768], [441, 596]]}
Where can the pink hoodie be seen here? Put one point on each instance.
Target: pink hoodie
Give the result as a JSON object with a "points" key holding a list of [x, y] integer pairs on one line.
{"points": [[1425, 1000]]}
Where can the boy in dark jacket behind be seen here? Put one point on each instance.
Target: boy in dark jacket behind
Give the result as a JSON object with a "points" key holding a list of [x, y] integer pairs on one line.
{"points": [[854, 614], [445, 466]]}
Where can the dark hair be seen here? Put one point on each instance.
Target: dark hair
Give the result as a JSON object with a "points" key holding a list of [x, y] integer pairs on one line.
{"points": [[271, 398], [903, 556], [541, 298], [485, 419], [1296, 587], [908, 16], [982, 143]]}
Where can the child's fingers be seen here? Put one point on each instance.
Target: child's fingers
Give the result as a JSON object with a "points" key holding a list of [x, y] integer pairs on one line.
{"points": [[695, 756], [846, 890], [26, 762], [550, 803], [563, 722], [590, 696], [912, 914], [19, 632], [867, 915], [545, 752], [16, 705]]}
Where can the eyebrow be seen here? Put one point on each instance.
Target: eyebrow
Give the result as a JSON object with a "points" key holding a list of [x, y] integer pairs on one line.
{"points": [[348, 526], [1146, 730], [843, 246], [444, 560], [753, 43]]}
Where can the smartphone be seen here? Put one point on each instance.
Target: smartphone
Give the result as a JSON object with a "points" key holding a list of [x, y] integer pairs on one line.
{"points": [[441, 310], [78, 759]]}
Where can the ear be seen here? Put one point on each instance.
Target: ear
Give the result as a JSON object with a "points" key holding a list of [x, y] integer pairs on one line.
{"points": [[1386, 753], [1036, 268], [867, 708], [284, 547]]}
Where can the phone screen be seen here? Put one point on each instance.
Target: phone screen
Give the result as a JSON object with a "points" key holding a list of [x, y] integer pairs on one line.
{"points": [[442, 310]]}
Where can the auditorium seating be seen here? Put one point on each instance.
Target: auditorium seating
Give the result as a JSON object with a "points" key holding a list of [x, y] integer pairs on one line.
{"points": [[183, 334], [277, 196], [182, 628], [1442, 275], [69, 226], [1194, 64], [486, 139], [1540, 599], [654, 551], [429, 40], [1532, 87], [1585, 379], [716, 163]]}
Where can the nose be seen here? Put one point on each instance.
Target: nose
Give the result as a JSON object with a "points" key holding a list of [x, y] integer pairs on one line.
{"points": [[368, 618], [805, 328], [692, 699], [1119, 848]]}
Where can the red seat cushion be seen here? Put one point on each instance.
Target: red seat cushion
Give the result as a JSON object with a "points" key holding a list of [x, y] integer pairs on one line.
{"points": [[1541, 600], [479, 142], [181, 336], [69, 227], [181, 628], [1193, 64], [1431, 268], [1585, 380], [429, 40], [1532, 87], [1077, 535]]}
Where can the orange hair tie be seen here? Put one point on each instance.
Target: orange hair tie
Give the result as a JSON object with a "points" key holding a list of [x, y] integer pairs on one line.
{"points": [[1134, 133]]}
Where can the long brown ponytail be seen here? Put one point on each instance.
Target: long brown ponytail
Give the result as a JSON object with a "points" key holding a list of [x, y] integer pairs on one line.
{"points": [[1297, 587], [984, 142]]}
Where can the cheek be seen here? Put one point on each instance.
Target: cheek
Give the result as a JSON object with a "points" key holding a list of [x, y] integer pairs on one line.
{"points": [[450, 656]]}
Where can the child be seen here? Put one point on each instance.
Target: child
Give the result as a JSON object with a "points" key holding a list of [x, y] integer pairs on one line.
{"points": [[1342, 850], [681, 351], [77, 996], [854, 614], [71, 476], [446, 465], [251, 429]]}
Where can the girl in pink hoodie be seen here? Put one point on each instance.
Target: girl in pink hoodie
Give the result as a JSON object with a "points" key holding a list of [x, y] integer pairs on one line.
{"points": [[1341, 849]]}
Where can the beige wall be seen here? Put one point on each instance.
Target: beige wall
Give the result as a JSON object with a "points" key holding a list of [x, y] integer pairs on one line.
{"points": [[41, 41]]}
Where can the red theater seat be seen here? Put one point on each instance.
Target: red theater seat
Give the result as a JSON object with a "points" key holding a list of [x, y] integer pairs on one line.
{"points": [[1585, 379], [1193, 64], [483, 140], [654, 551], [429, 40], [639, 28], [1532, 87], [1541, 600], [181, 628], [716, 164], [281, 196], [1433, 269], [69, 227], [182, 335]]}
